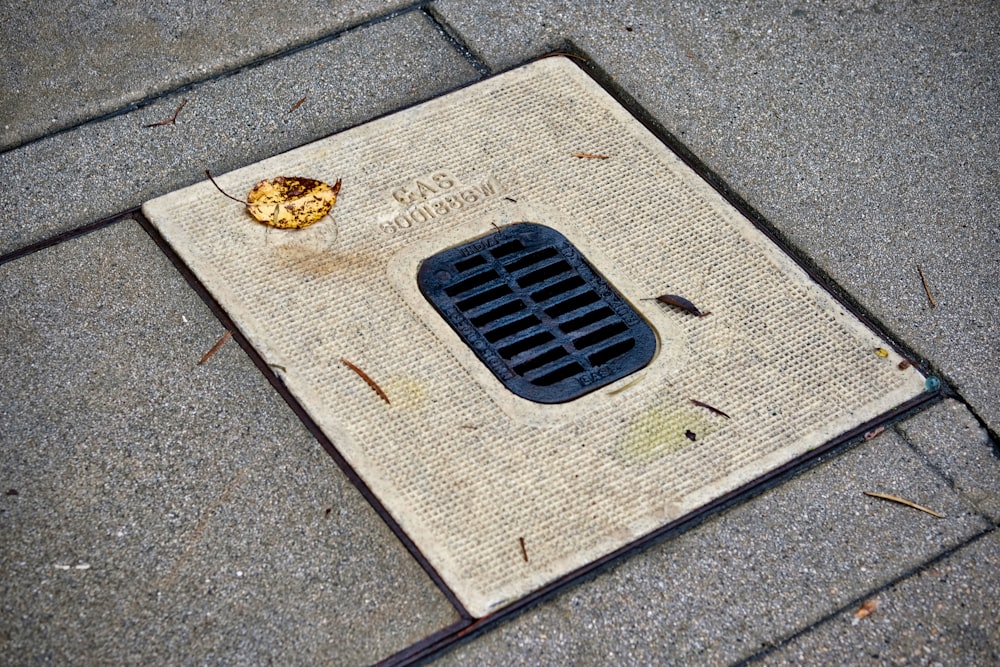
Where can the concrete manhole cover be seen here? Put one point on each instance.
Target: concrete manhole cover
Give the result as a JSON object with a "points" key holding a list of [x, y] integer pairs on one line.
{"points": [[503, 490]]}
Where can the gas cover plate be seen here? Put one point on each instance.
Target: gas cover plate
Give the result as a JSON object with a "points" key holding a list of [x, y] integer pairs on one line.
{"points": [[505, 494]]}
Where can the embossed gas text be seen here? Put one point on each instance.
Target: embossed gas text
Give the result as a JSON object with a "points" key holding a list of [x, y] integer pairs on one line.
{"points": [[435, 196]]}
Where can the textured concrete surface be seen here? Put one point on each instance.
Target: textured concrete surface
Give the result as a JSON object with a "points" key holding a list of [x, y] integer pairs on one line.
{"points": [[866, 132], [99, 169], [751, 576], [943, 615], [159, 512], [956, 445], [93, 57]]}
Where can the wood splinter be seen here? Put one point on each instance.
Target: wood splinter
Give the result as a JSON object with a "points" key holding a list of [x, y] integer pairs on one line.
{"points": [[591, 156], [370, 382], [524, 550], [927, 288]]}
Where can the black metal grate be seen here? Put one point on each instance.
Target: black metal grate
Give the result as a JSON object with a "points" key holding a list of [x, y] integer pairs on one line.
{"points": [[537, 313]]}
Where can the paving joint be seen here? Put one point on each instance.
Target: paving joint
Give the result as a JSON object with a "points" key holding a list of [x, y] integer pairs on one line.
{"points": [[871, 593], [218, 76], [455, 40], [279, 386], [68, 235], [939, 471]]}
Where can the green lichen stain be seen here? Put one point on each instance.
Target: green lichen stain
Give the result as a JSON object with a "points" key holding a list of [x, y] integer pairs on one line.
{"points": [[659, 431]]}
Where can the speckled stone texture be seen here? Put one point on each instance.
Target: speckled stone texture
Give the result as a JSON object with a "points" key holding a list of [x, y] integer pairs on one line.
{"points": [[158, 512], [99, 169], [89, 58]]}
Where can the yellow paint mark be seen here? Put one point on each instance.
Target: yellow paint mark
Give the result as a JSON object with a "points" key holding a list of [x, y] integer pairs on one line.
{"points": [[406, 392], [659, 431]]}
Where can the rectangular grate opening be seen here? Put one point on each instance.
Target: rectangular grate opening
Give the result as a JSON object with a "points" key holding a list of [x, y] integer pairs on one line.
{"points": [[500, 302]]}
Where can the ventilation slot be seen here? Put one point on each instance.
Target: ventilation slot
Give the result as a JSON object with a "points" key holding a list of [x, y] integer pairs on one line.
{"points": [[537, 313]]}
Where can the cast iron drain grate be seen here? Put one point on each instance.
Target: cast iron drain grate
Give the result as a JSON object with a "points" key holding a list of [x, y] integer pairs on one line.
{"points": [[537, 313]]}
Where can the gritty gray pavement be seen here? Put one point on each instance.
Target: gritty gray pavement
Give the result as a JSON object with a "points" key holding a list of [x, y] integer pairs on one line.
{"points": [[163, 509], [157, 511]]}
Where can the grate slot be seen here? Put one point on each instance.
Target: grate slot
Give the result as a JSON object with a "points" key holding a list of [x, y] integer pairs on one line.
{"points": [[591, 317], [571, 304], [504, 310], [508, 248], [537, 313], [473, 282], [483, 298], [599, 336], [525, 344], [614, 351], [531, 259], [544, 274], [508, 330], [471, 263], [561, 374], [561, 287], [543, 359]]}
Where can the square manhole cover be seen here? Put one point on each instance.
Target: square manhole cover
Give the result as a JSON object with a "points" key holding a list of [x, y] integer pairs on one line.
{"points": [[540, 410]]}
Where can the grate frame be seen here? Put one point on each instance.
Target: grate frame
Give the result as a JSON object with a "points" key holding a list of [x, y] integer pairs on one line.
{"points": [[531, 307]]}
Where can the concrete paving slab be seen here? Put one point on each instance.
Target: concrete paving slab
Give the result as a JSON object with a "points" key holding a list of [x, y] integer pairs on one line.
{"points": [[749, 577], [468, 467], [867, 134], [95, 57], [944, 615], [153, 511], [100, 169], [959, 447]]}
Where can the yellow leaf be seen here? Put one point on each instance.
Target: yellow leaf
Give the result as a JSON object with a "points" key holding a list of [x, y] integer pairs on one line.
{"points": [[291, 202]]}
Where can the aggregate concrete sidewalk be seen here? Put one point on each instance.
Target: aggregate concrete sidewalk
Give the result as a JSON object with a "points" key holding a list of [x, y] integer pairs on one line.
{"points": [[158, 511]]}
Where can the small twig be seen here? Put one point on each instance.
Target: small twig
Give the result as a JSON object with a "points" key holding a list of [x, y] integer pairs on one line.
{"points": [[927, 288], [370, 382], [298, 104], [709, 407], [592, 156], [209, 174], [215, 348], [173, 119], [903, 501], [524, 550]]}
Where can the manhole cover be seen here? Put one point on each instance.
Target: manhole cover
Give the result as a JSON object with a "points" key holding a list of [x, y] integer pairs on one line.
{"points": [[537, 410]]}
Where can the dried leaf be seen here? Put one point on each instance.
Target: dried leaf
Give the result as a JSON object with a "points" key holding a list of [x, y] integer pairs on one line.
{"points": [[866, 608], [291, 202], [679, 302], [709, 407], [881, 352], [904, 364]]}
